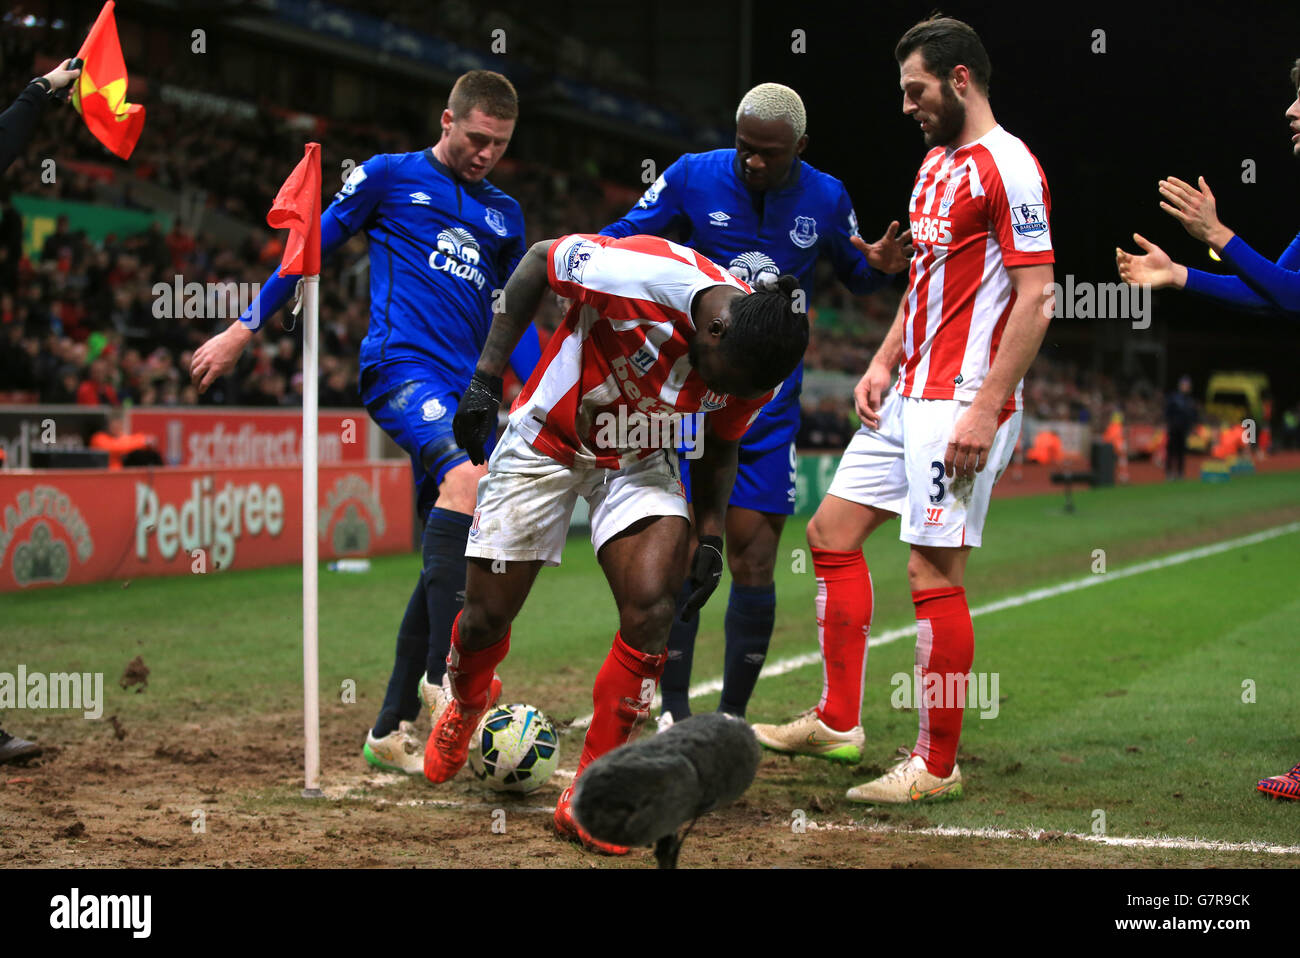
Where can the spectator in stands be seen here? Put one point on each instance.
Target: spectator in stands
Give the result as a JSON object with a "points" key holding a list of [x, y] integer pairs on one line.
{"points": [[60, 244], [1180, 418], [95, 389], [1291, 428]]}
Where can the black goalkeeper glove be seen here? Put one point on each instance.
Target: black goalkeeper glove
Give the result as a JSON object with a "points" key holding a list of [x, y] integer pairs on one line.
{"points": [[705, 574], [476, 415]]}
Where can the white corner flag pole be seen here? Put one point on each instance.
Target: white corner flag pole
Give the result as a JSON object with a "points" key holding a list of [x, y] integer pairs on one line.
{"points": [[310, 567]]}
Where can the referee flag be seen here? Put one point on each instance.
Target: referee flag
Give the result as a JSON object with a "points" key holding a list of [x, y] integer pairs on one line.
{"points": [[99, 94]]}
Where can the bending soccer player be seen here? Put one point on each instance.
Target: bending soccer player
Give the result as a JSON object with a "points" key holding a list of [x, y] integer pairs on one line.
{"points": [[976, 309], [1260, 286], [442, 239], [655, 332], [763, 211]]}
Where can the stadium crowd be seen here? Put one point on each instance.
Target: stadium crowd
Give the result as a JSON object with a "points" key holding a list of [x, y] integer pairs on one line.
{"points": [[80, 321]]}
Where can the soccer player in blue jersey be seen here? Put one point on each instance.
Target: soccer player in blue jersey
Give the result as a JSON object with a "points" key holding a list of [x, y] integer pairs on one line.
{"points": [[442, 240], [1259, 285], [761, 211]]}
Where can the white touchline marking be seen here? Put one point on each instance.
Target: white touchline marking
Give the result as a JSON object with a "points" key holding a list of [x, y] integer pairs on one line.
{"points": [[782, 666], [1037, 834]]}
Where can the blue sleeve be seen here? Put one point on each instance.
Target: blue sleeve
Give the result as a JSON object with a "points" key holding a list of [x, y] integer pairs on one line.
{"points": [[850, 264], [526, 354], [352, 206], [513, 251], [659, 212], [278, 290], [1279, 283]]}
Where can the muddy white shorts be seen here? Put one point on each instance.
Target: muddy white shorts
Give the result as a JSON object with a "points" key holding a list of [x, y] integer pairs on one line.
{"points": [[899, 468], [526, 500]]}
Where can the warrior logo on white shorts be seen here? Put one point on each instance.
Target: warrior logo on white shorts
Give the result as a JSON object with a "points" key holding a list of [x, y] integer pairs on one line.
{"points": [[473, 529], [433, 410]]}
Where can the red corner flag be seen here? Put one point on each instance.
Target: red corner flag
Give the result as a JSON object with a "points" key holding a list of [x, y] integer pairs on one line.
{"points": [[99, 94], [297, 207]]}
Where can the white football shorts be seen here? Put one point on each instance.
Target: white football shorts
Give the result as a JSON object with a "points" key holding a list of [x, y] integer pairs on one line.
{"points": [[526, 500], [899, 468]]}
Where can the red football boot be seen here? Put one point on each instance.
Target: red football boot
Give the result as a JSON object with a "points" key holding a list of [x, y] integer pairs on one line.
{"points": [[1282, 786], [447, 750], [567, 827], [448, 747]]}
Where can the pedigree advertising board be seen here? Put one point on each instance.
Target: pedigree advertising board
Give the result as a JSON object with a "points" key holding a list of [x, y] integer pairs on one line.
{"points": [[63, 527]]}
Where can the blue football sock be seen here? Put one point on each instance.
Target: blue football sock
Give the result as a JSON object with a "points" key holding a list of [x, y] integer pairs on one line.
{"points": [[402, 699], [675, 684], [445, 536], [751, 614]]}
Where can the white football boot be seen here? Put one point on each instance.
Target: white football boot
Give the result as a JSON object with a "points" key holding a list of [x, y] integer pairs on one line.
{"points": [[399, 751], [908, 781], [809, 735], [435, 697]]}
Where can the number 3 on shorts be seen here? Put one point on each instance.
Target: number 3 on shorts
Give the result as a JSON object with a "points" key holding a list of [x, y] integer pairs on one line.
{"points": [[936, 480]]}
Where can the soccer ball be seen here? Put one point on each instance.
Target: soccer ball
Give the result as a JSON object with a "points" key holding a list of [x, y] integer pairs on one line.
{"points": [[515, 749]]}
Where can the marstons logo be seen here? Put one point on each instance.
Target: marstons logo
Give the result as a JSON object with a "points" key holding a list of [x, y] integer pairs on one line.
{"points": [[42, 558], [360, 516], [458, 255]]}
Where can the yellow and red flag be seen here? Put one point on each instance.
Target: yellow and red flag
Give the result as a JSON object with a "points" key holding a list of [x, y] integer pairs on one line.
{"points": [[297, 207], [99, 94]]}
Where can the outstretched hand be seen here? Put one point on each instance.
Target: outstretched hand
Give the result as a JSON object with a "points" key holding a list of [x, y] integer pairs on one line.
{"points": [[1195, 209], [1155, 269], [889, 254]]}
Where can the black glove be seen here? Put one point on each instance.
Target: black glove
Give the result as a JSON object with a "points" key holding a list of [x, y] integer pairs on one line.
{"points": [[705, 574], [476, 415]]}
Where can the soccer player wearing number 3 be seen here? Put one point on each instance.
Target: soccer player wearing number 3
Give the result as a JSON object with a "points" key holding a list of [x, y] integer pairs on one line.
{"points": [[1260, 285], [931, 449]]}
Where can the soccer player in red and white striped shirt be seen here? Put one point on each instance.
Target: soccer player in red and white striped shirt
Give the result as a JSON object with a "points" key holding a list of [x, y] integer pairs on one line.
{"points": [[655, 332], [976, 309]]}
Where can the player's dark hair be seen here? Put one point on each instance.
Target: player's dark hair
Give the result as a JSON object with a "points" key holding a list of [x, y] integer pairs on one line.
{"points": [[768, 333], [946, 43], [1295, 75], [484, 90]]}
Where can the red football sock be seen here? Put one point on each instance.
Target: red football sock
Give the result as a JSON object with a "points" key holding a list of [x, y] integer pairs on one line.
{"points": [[844, 600], [945, 649], [625, 688], [470, 673]]}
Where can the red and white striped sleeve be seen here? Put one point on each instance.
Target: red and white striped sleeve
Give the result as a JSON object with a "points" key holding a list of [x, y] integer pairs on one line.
{"points": [[1019, 202]]}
